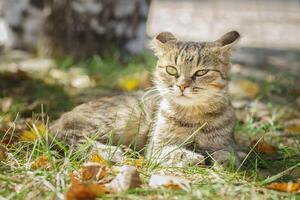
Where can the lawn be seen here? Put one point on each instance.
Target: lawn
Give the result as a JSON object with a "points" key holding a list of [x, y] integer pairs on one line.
{"points": [[267, 105]]}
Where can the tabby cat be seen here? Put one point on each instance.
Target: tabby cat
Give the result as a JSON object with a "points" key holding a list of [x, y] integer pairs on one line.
{"points": [[184, 119]]}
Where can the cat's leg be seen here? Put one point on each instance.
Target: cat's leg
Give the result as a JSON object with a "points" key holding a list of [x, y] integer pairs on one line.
{"points": [[108, 152], [173, 155], [231, 156], [84, 147], [167, 145]]}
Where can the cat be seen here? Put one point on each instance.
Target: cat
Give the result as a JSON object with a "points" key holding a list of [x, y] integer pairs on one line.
{"points": [[186, 118]]}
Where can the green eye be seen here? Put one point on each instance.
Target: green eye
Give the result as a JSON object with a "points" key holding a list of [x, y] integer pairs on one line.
{"points": [[201, 72], [171, 70]]}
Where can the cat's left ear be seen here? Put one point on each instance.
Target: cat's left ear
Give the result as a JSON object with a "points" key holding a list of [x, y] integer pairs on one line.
{"points": [[227, 41]]}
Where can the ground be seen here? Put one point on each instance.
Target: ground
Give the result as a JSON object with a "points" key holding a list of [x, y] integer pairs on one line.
{"points": [[35, 91]]}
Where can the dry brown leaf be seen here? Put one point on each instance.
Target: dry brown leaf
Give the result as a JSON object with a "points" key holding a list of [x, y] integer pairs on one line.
{"points": [[3, 152], [127, 178], [285, 187], [168, 181], [86, 187], [83, 191], [40, 162], [93, 171], [263, 147]]}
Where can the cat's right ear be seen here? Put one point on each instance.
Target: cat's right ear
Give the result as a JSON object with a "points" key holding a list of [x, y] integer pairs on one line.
{"points": [[161, 43]]}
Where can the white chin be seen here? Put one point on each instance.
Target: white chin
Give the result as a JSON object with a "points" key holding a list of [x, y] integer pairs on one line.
{"points": [[185, 100]]}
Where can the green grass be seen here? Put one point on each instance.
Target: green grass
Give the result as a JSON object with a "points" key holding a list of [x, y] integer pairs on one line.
{"points": [[19, 181], [212, 183]]}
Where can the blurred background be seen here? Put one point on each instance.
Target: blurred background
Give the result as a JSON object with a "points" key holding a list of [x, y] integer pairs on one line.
{"points": [[55, 54]]}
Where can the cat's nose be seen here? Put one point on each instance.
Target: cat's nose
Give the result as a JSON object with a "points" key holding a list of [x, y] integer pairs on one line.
{"points": [[182, 86]]}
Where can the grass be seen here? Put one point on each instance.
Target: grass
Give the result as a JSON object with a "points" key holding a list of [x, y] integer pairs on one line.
{"points": [[212, 183], [18, 180]]}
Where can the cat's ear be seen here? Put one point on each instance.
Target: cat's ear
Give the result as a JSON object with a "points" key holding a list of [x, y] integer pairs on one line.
{"points": [[227, 41], [161, 43]]}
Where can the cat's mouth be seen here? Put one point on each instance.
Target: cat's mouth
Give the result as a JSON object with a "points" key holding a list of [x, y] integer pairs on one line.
{"points": [[182, 95]]}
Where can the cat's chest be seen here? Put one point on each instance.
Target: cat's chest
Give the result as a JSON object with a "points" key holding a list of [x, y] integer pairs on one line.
{"points": [[173, 129]]}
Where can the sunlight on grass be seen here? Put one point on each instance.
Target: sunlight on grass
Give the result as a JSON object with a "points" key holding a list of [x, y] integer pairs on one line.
{"points": [[38, 163]]}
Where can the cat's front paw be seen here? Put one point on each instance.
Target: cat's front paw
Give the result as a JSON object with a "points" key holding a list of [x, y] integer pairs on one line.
{"points": [[226, 158], [181, 158]]}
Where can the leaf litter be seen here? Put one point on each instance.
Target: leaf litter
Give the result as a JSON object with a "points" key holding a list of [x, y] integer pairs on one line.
{"points": [[97, 178], [100, 177]]}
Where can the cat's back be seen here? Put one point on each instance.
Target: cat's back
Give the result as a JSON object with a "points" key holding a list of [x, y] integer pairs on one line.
{"points": [[125, 116]]}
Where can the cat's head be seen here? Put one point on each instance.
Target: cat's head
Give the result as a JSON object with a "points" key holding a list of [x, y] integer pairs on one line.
{"points": [[190, 73]]}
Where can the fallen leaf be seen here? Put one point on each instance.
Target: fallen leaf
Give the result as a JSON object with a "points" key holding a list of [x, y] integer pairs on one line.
{"points": [[129, 84], [168, 181], [263, 147], [98, 159], [40, 162], [135, 162], [244, 89], [292, 126], [27, 136], [285, 187], [93, 171], [294, 129], [3, 152], [127, 178], [84, 191], [31, 135]]}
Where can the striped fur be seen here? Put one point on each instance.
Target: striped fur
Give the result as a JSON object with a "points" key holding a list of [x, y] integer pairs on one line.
{"points": [[167, 117]]}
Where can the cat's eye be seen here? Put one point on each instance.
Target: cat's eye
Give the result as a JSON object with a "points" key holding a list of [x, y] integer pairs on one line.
{"points": [[171, 70], [201, 72]]}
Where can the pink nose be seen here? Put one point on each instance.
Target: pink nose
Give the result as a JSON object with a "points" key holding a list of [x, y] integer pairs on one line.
{"points": [[182, 86]]}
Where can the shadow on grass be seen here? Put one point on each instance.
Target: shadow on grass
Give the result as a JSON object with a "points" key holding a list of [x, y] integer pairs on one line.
{"points": [[28, 94]]}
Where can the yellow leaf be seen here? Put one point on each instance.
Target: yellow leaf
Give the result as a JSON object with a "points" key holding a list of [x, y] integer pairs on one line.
{"points": [[129, 84], [31, 135], [27, 136], [42, 129], [40, 163], [135, 162], [294, 128], [250, 88], [98, 159]]}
